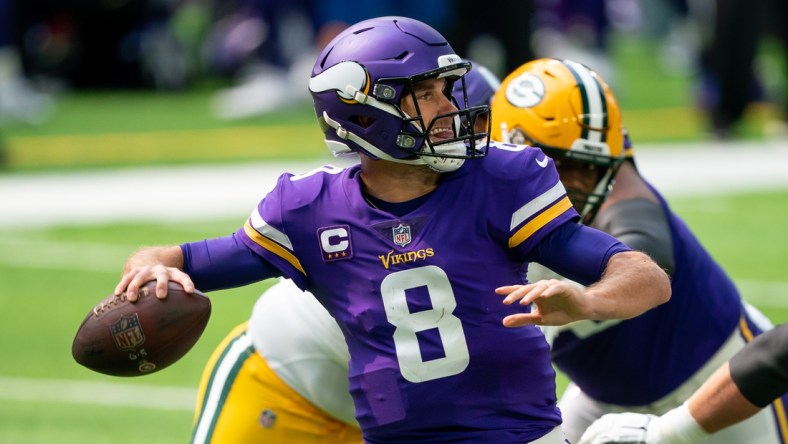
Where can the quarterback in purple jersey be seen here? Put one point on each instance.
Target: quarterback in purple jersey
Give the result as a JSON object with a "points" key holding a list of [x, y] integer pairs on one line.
{"points": [[653, 362], [288, 363], [412, 249]]}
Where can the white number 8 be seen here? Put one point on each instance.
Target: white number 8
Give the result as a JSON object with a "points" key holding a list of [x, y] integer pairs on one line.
{"points": [[440, 316]]}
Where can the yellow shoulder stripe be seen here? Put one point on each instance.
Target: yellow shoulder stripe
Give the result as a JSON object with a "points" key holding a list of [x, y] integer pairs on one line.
{"points": [[539, 221], [273, 247]]}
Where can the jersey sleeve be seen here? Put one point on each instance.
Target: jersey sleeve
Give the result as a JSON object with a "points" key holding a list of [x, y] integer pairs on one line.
{"points": [[760, 369], [223, 262], [264, 232]]}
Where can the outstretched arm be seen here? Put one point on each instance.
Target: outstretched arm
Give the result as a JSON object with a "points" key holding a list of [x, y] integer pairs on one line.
{"points": [[557, 302], [719, 403]]}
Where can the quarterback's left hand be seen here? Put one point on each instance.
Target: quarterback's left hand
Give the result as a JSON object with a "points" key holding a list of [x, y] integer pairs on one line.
{"points": [[619, 428], [555, 302]]}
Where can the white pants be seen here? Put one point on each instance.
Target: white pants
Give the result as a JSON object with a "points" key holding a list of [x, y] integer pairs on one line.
{"points": [[556, 436]]}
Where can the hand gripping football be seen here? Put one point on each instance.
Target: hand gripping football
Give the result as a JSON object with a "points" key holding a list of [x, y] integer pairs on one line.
{"points": [[122, 338]]}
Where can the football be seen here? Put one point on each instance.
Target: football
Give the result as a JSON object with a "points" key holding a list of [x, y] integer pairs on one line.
{"points": [[121, 338]]}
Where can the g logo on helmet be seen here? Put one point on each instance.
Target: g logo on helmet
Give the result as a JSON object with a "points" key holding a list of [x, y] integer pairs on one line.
{"points": [[525, 91]]}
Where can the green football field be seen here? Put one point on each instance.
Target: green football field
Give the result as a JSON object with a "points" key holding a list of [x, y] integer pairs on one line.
{"points": [[50, 277]]}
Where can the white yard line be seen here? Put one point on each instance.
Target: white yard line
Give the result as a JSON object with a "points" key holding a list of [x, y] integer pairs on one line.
{"points": [[212, 192], [109, 394], [58, 255]]}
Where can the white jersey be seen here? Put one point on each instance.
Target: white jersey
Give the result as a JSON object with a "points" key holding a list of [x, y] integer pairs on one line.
{"points": [[302, 343]]}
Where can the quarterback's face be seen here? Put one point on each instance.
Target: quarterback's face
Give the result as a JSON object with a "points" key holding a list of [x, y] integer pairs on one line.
{"points": [[430, 99]]}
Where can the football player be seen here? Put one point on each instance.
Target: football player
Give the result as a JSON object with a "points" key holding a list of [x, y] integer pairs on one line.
{"points": [[275, 379], [654, 362], [420, 268], [754, 378]]}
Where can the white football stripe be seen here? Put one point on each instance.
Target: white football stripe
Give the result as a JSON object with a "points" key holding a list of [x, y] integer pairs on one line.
{"points": [[218, 385]]}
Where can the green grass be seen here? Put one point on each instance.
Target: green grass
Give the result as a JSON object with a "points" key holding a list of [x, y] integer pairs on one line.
{"points": [[40, 423], [49, 278], [91, 130]]}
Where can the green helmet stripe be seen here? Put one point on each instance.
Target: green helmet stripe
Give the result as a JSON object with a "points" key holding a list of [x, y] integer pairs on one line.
{"points": [[594, 111]]}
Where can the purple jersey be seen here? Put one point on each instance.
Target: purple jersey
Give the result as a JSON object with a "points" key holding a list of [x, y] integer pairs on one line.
{"points": [[414, 295], [640, 360]]}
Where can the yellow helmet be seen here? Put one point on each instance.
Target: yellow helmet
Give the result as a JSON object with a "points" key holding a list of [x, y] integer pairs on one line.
{"points": [[568, 111]]}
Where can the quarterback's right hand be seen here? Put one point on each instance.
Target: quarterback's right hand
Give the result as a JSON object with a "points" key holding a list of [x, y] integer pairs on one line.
{"points": [[619, 428], [136, 277]]}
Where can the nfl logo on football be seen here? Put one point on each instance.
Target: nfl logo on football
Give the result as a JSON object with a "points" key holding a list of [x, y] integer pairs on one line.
{"points": [[127, 332], [401, 235]]}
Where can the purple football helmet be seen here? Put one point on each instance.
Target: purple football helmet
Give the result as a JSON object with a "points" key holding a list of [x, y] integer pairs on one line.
{"points": [[360, 78]]}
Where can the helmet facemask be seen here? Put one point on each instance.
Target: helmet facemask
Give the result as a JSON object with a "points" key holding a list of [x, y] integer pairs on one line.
{"points": [[447, 154], [587, 183]]}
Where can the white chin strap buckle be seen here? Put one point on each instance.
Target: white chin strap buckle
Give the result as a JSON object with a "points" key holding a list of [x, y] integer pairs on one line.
{"points": [[446, 164], [443, 164]]}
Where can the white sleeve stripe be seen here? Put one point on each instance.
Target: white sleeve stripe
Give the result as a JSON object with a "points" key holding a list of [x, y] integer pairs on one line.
{"points": [[262, 227], [537, 205], [233, 358]]}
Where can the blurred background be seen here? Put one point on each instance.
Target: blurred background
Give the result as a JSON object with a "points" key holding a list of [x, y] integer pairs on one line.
{"points": [[118, 82], [112, 110]]}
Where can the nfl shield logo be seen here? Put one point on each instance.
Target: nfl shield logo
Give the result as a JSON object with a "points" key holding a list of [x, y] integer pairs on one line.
{"points": [[401, 235], [127, 333]]}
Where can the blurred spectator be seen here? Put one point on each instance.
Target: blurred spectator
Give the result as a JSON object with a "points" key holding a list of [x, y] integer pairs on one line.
{"points": [[772, 68], [727, 61], [719, 41], [272, 45], [19, 100], [578, 30], [105, 44], [732, 35], [497, 33], [269, 47]]}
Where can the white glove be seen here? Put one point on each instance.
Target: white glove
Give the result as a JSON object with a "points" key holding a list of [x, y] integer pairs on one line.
{"points": [[619, 428], [674, 427]]}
